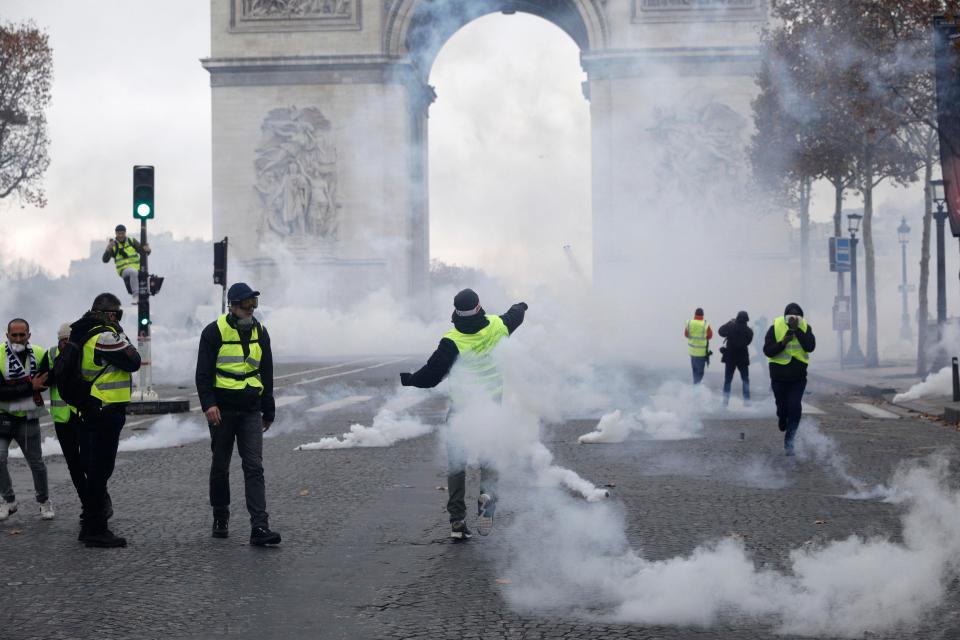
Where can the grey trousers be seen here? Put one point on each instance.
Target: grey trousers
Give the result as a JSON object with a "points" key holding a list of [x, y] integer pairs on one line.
{"points": [[457, 483], [27, 436], [132, 276], [246, 428]]}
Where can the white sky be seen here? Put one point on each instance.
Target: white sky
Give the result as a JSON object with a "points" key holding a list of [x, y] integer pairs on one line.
{"points": [[129, 89]]}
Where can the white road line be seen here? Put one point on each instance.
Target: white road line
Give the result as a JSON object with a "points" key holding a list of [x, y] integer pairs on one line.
{"points": [[327, 368], [812, 410], [346, 373], [339, 404], [872, 410], [398, 405], [285, 400]]}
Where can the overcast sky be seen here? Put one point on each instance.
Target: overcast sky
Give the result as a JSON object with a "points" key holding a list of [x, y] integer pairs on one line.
{"points": [[129, 89]]}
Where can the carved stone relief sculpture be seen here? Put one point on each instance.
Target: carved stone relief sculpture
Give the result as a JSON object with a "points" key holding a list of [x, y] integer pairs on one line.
{"points": [[296, 176]]}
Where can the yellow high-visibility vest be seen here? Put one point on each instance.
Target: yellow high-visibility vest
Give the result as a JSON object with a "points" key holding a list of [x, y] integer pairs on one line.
{"points": [[110, 384], [125, 255], [22, 407], [697, 337], [59, 409], [475, 354], [234, 371], [793, 350]]}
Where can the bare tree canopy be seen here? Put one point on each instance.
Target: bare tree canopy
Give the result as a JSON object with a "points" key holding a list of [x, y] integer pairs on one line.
{"points": [[26, 63]]}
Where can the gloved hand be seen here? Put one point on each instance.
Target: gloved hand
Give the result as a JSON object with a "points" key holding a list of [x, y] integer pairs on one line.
{"points": [[406, 379]]}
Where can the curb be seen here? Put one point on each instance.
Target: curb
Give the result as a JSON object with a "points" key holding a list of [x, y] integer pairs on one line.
{"points": [[863, 389]]}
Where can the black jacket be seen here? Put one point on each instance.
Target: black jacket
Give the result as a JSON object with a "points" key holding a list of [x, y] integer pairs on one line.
{"points": [[440, 363], [247, 399], [738, 335], [795, 370]]}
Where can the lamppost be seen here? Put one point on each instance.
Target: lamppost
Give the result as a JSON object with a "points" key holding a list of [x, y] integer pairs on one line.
{"points": [[854, 355], [903, 232], [940, 215]]}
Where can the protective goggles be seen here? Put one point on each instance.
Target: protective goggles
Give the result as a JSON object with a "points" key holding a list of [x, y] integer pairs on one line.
{"points": [[249, 304], [119, 312]]}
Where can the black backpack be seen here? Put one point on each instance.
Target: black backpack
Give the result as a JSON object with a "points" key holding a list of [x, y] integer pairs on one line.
{"points": [[66, 371]]}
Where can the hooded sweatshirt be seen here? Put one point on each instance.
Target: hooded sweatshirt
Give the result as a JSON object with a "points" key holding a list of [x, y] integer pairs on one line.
{"points": [[794, 370], [441, 361], [738, 335]]}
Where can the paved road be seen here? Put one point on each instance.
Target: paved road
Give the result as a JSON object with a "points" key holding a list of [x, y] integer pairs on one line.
{"points": [[365, 552]]}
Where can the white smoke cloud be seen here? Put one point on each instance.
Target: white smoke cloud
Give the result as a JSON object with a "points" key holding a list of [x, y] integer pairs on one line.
{"points": [[387, 429], [935, 384], [168, 431]]}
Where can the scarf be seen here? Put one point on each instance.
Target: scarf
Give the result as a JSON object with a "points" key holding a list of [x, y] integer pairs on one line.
{"points": [[16, 371]]}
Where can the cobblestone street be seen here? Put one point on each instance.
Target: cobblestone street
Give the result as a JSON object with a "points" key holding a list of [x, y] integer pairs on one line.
{"points": [[366, 553]]}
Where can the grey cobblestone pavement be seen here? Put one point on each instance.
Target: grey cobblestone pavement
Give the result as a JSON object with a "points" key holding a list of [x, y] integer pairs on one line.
{"points": [[365, 551]]}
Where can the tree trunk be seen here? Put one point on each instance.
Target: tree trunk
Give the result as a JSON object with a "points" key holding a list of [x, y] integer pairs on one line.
{"points": [[869, 260], [806, 186], [923, 310]]}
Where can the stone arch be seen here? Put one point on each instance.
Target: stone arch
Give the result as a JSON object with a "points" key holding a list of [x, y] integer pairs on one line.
{"points": [[417, 29]]}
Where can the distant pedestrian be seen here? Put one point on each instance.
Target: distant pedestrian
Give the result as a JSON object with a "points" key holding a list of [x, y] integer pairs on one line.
{"points": [[235, 385], [468, 345], [788, 345], [698, 334], [107, 361], [24, 369], [735, 354], [125, 253]]}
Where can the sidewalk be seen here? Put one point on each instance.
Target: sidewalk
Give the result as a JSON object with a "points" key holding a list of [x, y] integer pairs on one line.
{"points": [[885, 382]]}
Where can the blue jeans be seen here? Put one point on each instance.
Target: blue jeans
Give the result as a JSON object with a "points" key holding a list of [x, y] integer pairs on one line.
{"points": [[246, 428], [728, 372], [789, 398], [698, 364]]}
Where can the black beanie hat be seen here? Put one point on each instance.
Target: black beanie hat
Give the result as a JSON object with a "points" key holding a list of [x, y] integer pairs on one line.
{"points": [[793, 309], [743, 316], [466, 302]]}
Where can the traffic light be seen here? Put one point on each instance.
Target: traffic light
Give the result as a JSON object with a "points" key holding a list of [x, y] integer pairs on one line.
{"points": [[143, 192], [220, 262], [143, 317]]}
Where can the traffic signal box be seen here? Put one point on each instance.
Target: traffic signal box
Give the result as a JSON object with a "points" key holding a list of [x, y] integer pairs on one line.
{"points": [[143, 208]]}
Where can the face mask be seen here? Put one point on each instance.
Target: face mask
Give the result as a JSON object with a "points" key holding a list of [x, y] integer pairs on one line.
{"points": [[245, 323], [16, 347]]}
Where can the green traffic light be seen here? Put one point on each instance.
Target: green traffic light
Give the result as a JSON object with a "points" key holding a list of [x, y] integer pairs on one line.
{"points": [[144, 321], [143, 210]]}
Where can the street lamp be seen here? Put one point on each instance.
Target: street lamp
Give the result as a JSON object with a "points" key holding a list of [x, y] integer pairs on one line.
{"points": [[940, 215], [854, 355], [903, 233]]}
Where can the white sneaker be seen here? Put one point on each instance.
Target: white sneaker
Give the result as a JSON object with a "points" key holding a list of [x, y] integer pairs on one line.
{"points": [[7, 509], [485, 508], [46, 510]]}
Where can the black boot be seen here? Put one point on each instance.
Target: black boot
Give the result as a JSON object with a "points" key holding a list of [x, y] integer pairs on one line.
{"points": [[220, 528], [261, 536], [105, 539]]}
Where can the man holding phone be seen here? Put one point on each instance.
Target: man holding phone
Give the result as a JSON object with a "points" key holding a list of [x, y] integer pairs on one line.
{"points": [[788, 345]]}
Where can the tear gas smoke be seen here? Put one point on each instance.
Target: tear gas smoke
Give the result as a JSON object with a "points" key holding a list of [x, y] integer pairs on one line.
{"points": [[387, 429], [168, 431], [50, 447], [935, 384]]}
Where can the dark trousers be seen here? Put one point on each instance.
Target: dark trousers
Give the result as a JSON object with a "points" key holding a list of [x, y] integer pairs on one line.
{"points": [[698, 364], [789, 398], [730, 368], [99, 439], [457, 482], [246, 427], [69, 435]]}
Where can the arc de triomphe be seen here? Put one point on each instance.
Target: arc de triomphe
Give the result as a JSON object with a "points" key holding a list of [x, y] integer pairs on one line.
{"points": [[320, 121]]}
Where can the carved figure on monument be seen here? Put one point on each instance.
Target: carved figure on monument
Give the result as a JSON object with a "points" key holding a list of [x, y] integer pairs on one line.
{"points": [[295, 8], [296, 169]]}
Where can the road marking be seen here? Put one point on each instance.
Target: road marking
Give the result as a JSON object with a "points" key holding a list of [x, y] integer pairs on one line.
{"points": [[285, 400], [399, 405], [346, 373], [327, 368], [339, 404], [812, 410], [872, 410]]}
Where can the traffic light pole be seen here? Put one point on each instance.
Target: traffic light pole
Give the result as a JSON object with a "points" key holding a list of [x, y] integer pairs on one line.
{"points": [[145, 391]]}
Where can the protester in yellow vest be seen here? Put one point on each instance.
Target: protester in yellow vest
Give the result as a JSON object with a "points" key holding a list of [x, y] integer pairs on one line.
{"points": [[66, 421], [469, 344], [788, 345], [24, 370], [107, 361], [698, 334], [235, 387], [125, 253]]}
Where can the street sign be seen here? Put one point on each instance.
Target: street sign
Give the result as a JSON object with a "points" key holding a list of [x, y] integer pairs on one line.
{"points": [[840, 255], [841, 313]]}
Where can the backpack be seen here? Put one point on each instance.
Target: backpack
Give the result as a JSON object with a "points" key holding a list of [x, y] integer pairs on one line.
{"points": [[72, 387]]}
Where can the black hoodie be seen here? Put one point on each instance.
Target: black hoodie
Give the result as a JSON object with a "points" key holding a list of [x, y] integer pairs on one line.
{"points": [[795, 370], [440, 363]]}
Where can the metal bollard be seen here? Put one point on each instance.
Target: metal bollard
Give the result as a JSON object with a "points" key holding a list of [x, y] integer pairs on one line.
{"points": [[956, 380]]}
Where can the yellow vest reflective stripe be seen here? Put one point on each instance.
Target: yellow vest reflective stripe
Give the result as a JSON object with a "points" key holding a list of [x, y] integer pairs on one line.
{"points": [[234, 370], [59, 409], [697, 337], [793, 350], [475, 357], [110, 385], [125, 255], [21, 407]]}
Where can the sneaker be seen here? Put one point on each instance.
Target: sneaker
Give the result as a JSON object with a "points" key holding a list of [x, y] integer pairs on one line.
{"points": [[106, 539], [782, 425], [261, 536], [459, 530], [485, 508], [220, 529], [46, 510], [7, 509]]}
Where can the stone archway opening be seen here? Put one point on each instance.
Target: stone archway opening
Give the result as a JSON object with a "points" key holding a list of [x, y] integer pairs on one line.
{"points": [[509, 151]]}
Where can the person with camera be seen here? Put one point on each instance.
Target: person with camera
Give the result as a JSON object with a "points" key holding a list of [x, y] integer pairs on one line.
{"points": [[698, 334], [735, 354], [788, 345], [125, 253]]}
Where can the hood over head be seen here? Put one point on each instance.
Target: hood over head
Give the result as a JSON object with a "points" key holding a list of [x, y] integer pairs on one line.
{"points": [[793, 309], [743, 317]]}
